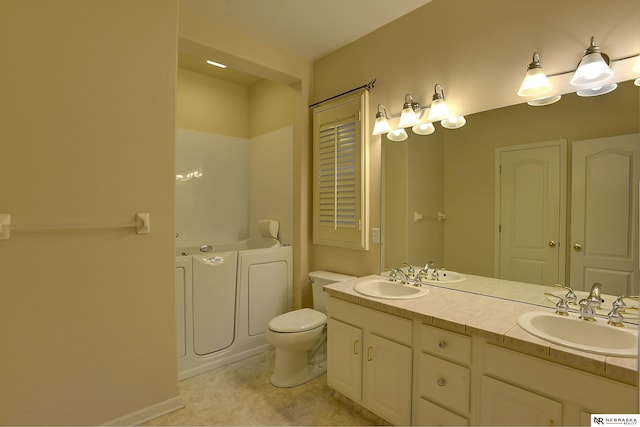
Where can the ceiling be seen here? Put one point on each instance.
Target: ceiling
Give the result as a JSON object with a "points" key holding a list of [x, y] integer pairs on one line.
{"points": [[309, 29]]}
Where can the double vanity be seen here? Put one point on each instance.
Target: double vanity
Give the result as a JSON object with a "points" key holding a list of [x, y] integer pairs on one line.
{"points": [[433, 355]]}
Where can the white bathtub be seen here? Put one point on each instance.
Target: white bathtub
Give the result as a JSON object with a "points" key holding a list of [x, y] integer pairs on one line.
{"points": [[225, 298]]}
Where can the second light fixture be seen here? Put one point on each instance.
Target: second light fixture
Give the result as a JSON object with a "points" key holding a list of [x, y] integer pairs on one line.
{"points": [[411, 116]]}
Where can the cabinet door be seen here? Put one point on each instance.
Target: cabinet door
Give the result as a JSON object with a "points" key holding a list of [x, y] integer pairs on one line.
{"points": [[502, 404], [344, 359], [387, 379]]}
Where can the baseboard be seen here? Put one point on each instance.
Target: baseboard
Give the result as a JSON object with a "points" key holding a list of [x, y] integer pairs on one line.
{"points": [[148, 413]]}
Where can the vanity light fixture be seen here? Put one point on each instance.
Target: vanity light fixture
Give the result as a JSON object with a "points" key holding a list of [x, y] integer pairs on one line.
{"points": [[593, 67], [216, 64], [382, 121], [439, 109], [535, 81], [397, 135], [410, 112], [636, 69]]}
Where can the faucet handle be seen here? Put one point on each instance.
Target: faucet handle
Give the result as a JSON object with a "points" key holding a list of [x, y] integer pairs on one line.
{"points": [[619, 302], [393, 273], [561, 306], [571, 296], [615, 316]]}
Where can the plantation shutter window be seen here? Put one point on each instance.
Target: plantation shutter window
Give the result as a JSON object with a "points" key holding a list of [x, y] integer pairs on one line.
{"points": [[340, 202]]}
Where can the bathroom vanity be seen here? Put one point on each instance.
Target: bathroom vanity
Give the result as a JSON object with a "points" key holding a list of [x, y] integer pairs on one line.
{"points": [[458, 358]]}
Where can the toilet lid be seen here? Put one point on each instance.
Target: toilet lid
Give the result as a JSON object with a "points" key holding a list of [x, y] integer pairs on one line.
{"points": [[298, 320]]}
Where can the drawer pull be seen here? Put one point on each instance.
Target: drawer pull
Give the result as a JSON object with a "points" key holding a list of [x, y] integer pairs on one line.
{"points": [[442, 344], [441, 382], [355, 347], [369, 358]]}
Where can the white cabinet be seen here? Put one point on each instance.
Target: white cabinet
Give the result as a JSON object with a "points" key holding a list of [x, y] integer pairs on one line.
{"points": [[387, 379], [443, 377], [517, 389], [369, 359], [344, 356], [502, 404]]}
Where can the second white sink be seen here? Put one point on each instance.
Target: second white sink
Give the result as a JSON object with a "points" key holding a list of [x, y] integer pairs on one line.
{"points": [[383, 288], [593, 337]]}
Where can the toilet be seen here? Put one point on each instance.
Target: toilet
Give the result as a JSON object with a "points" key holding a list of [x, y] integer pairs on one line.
{"points": [[300, 336]]}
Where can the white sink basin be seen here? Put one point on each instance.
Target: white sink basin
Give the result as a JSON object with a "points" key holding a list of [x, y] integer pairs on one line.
{"points": [[446, 276], [593, 337], [383, 288]]}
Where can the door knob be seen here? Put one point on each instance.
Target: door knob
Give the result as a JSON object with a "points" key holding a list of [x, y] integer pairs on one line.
{"points": [[552, 243], [577, 247]]}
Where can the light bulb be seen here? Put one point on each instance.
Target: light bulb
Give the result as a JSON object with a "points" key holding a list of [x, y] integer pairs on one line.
{"points": [[424, 129], [397, 135]]}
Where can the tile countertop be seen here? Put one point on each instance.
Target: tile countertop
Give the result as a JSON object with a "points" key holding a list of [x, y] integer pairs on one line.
{"points": [[492, 318]]}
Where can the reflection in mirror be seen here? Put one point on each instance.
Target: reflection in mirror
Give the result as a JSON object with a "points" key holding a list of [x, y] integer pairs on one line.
{"points": [[454, 172]]}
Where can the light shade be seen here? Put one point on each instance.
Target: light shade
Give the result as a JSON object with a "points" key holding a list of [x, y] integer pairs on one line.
{"points": [[424, 129], [381, 126], [397, 135], [597, 90], [535, 81], [382, 121], [593, 68], [408, 117], [546, 100], [439, 109], [453, 122], [636, 68]]}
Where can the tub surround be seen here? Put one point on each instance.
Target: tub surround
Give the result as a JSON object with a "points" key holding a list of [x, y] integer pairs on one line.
{"points": [[491, 318]]}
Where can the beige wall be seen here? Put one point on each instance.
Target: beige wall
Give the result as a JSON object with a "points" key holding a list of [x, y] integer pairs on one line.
{"points": [[478, 50], [209, 104], [87, 136], [272, 106]]}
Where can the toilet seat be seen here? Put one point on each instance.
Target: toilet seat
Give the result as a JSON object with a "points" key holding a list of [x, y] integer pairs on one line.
{"points": [[301, 320]]}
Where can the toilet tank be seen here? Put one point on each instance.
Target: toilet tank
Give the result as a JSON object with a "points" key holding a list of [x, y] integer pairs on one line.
{"points": [[320, 278]]}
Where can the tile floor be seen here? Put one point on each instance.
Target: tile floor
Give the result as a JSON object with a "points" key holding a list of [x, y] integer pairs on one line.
{"points": [[241, 394]]}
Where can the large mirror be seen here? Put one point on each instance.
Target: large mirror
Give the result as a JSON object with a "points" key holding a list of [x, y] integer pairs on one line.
{"points": [[444, 196]]}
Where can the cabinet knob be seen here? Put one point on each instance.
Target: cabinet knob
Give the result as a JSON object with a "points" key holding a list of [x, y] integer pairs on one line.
{"points": [[441, 382], [577, 247], [552, 243], [442, 344]]}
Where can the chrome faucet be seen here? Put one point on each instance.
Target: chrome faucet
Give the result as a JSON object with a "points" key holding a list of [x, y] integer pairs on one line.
{"points": [[395, 272], [587, 311], [594, 295]]}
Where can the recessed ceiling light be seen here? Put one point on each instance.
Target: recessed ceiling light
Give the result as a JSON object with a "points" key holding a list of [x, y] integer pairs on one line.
{"points": [[216, 64]]}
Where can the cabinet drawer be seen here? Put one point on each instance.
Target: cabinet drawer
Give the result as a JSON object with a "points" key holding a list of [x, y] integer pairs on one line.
{"points": [[385, 325], [444, 383], [430, 414], [447, 344]]}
